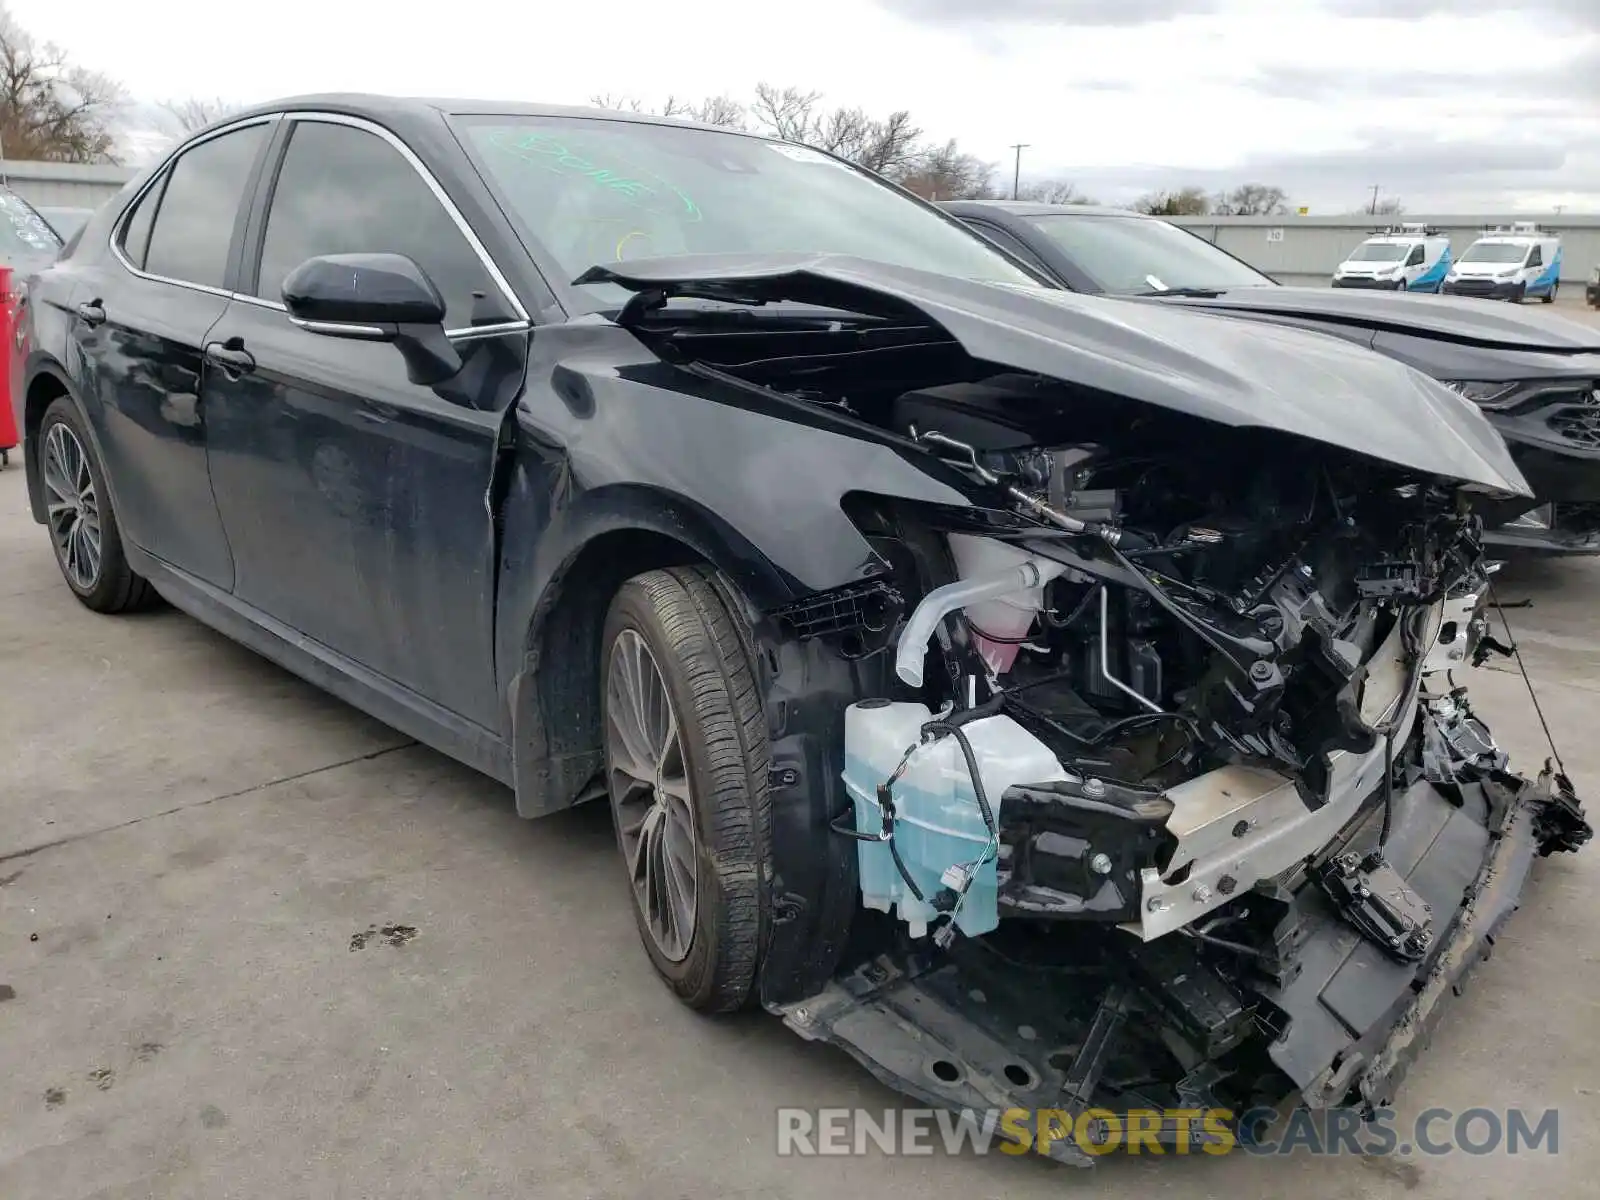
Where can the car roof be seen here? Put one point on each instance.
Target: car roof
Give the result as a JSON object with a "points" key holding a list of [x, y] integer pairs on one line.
{"points": [[1031, 208], [385, 109]]}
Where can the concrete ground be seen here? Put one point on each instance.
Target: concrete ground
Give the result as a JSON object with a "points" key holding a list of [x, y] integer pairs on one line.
{"points": [[194, 844]]}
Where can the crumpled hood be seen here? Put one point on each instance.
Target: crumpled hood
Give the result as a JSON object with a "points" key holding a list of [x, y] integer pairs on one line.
{"points": [[1448, 318], [1228, 371]]}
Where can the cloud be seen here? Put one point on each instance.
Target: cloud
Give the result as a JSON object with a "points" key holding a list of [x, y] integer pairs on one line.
{"points": [[1583, 13], [1570, 81], [1050, 12], [1429, 173]]}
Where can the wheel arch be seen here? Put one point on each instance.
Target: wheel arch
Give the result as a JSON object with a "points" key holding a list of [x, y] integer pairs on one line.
{"points": [[45, 382], [553, 695]]}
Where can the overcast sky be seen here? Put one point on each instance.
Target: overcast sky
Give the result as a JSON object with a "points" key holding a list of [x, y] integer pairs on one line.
{"points": [[1454, 105]]}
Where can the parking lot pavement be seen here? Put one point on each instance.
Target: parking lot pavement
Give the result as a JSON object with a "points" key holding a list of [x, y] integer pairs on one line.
{"points": [[253, 944]]}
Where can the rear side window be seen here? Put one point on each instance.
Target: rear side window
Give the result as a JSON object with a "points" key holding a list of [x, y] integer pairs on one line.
{"points": [[136, 233], [194, 224], [343, 190]]}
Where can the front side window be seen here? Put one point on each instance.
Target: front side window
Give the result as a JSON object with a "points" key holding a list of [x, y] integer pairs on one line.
{"points": [[136, 231], [1535, 257], [594, 191], [1135, 254], [199, 206], [1416, 257], [343, 190]]}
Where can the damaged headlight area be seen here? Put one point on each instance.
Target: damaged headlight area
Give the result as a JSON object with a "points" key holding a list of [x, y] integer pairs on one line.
{"points": [[1162, 809]]}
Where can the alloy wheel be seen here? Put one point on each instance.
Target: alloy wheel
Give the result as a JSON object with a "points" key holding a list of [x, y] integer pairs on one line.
{"points": [[72, 506], [649, 783]]}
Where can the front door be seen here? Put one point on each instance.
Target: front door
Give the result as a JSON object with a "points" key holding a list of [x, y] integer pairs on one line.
{"points": [[143, 322], [355, 500]]}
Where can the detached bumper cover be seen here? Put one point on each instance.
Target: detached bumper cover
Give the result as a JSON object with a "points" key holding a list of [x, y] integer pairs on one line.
{"points": [[987, 1030], [1471, 861]]}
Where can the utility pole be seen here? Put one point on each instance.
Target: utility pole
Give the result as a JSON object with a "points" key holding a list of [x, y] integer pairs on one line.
{"points": [[1016, 174], [1374, 209]]}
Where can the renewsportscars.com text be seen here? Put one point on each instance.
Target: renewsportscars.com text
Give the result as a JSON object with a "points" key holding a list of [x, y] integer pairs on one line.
{"points": [[1261, 1131]]}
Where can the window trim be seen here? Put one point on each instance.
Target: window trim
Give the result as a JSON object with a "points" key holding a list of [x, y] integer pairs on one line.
{"points": [[467, 332], [521, 322], [119, 227]]}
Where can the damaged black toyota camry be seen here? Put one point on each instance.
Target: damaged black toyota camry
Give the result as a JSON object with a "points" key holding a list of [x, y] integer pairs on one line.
{"points": [[1046, 699]]}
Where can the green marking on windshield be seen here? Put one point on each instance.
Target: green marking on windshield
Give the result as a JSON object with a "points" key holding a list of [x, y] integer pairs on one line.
{"points": [[639, 189]]}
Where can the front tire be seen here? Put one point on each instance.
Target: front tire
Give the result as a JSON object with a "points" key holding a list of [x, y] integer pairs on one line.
{"points": [[79, 514], [1550, 296], [686, 768]]}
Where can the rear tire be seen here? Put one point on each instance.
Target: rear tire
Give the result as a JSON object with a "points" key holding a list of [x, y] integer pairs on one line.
{"points": [[81, 519], [693, 819]]}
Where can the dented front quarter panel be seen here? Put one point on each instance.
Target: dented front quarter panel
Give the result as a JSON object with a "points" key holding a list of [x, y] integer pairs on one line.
{"points": [[610, 441]]}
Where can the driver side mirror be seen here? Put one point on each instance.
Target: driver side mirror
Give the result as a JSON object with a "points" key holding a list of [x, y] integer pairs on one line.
{"points": [[375, 297]]}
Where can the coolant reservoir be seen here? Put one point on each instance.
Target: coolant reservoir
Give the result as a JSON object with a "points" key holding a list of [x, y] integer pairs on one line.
{"points": [[938, 823], [1007, 618]]}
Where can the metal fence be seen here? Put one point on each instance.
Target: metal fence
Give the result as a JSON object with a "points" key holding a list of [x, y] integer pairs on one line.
{"points": [[1306, 249]]}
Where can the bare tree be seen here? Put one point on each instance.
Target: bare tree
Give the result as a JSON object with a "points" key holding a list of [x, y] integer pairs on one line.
{"points": [[1053, 191], [789, 114], [721, 110], [619, 103], [1252, 200], [50, 109], [947, 173], [1185, 202], [195, 113], [1393, 206], [713, 110], [890, 145]]}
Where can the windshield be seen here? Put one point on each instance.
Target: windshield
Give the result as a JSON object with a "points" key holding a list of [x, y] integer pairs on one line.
{"points": [[594, 191], [1138, 254], [1495, 252], [1378, 252], [27, 243]]}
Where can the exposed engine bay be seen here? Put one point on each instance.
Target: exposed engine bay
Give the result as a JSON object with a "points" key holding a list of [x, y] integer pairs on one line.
{"points": [[1163, 796], [1168, 711]]}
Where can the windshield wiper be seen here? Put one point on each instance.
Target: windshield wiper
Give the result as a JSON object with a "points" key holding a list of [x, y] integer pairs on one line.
{"points": [[1200, 292]]}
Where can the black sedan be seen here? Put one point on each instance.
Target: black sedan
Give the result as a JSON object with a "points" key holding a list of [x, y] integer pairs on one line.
{"points": [[1537, 376], [928, 628]]}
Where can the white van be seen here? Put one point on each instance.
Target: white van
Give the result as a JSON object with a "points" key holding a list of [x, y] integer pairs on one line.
{"points": [[1412, 258], [1509, 262]]}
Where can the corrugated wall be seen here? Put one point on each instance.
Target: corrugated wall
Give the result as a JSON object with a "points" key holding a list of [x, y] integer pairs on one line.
{"points": [[64, 185], [1307, 249]]}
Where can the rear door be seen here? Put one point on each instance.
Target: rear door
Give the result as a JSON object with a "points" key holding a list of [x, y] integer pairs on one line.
{"points": [[355, 500], [141, 324]]}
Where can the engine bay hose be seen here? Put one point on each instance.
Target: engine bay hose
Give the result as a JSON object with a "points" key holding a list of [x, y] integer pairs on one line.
{"points": [[943, 601]]}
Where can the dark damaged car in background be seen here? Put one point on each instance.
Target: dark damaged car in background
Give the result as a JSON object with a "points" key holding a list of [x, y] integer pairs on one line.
{"points": [[1537, 376], [1041, 697]]}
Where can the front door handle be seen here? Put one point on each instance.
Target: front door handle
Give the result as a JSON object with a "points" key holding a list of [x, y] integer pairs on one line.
{"points": [[231, 356], [92, 312]]}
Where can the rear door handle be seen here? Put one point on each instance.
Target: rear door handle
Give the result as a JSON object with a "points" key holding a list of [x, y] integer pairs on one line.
{"points": [[231, 356], [92, 313]]}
